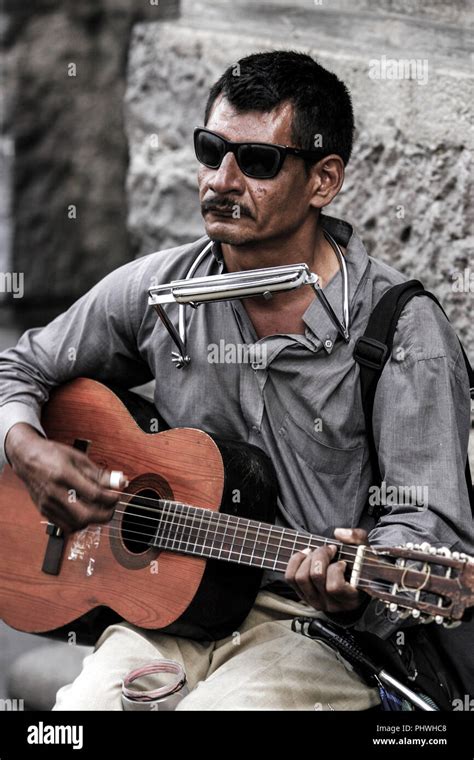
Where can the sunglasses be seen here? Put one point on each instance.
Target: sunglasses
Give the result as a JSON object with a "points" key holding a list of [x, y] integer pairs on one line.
{"points": [[258, 160]]}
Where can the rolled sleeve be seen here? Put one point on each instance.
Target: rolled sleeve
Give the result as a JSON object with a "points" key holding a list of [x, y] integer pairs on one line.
{"points": [[11, 414], [96, 338]]}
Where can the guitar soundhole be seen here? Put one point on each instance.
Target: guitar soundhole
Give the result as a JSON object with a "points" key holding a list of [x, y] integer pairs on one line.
{"points": [[139, 523], [135, 525]]}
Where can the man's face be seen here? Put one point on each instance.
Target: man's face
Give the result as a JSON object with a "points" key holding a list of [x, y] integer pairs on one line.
{"points": [[240, 210]]}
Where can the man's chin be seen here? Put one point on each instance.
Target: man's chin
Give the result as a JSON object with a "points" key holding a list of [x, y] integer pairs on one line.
{"points": [[228, 233]]}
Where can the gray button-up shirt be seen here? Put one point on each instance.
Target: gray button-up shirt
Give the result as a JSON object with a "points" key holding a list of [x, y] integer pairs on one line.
{"points": [[295, 396]]}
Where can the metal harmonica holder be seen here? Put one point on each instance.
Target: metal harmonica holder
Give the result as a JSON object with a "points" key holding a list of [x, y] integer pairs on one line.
{"points": [[237, 285]]}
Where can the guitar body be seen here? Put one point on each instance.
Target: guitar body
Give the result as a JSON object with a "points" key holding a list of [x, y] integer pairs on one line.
{"points": [[99, 575]]}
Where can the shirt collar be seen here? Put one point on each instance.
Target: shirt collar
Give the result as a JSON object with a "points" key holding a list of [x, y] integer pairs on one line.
{"points": [[216, 250]]}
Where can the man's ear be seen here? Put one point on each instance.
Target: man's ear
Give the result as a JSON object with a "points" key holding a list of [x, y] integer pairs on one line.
{"points": [[327, 176]]}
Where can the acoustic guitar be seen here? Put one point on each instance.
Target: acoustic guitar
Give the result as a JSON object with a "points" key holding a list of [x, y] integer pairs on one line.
{"points": [[189, 539]]}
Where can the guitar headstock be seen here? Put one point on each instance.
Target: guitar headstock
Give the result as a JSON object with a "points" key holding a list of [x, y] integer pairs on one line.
{"points": [[428, 583]]}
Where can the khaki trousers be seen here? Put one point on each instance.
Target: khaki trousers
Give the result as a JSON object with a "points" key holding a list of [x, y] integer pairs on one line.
{"points": [[262, 666]]}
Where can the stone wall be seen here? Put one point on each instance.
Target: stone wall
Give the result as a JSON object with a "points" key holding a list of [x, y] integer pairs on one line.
{"points": [[409, 184], [63, 113]]}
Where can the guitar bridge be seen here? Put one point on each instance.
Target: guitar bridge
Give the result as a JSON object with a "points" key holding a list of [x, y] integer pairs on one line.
{"points": [[54, 550]]}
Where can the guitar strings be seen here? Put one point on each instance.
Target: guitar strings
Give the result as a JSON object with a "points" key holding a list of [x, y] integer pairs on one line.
{"points": [[187, 520], [382, 586], [348, 552], [117, 533], [298, 536], [275, 561]]}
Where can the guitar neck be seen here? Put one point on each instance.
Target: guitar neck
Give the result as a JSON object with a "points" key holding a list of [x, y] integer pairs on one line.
{"points": [[214, 535]]}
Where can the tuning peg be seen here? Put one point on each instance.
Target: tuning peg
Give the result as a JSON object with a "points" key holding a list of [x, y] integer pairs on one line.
{"points": [[439, 619], [425, 619], [451, 623], [426, 547], [415, 614], [444, 551], [393, 607]]}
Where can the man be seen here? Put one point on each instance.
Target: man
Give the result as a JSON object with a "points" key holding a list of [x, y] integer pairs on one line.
{"points": [[300, 402]]}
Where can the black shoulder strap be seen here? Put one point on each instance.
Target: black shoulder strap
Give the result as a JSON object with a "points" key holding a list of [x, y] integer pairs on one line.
{"points": [[372, 351]]}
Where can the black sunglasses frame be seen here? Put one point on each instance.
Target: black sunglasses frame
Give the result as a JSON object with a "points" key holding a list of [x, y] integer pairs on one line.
{"points": [[234, 147]]}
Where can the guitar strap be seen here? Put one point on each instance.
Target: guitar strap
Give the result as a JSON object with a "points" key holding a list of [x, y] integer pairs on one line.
{"points": [[373, 349]]}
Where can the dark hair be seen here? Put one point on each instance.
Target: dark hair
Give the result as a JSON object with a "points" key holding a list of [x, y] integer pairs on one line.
{"points": [[321, 102]]}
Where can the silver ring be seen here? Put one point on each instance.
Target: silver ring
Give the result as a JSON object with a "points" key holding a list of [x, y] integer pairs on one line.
{"points": [[115, 479]]}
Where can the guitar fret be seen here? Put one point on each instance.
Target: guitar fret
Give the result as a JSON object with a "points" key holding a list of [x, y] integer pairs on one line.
{"points": [[211, 520], [278, 551], [203, 512], [213, 551], [219, 556], [211, 548], [174, 525], [157, 537], [207, 533], [225, 523], [255, 543], [188, 538], [180, 528], [233, 550], [265, 550], [190, 529], [165, 539], [243, 542], [294, 543]]}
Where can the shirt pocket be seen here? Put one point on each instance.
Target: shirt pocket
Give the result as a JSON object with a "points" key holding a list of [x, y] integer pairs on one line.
{"points": [[327, 479], [318, 454]]}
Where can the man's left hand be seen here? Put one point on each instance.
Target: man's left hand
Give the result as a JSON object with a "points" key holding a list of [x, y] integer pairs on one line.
{"points": [[319, 581]]}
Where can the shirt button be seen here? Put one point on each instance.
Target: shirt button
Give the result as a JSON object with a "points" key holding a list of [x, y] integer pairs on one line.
{"points": [[328, 343], [255, 429]]}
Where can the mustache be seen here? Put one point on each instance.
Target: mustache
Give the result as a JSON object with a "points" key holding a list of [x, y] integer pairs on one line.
{"points": [[224, 204]]}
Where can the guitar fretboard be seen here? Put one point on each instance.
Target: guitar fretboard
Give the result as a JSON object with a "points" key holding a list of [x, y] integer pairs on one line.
{"points": [[214, 535]]}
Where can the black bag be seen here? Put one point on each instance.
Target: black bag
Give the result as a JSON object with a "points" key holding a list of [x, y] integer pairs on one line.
{"points": [[437, 661]]}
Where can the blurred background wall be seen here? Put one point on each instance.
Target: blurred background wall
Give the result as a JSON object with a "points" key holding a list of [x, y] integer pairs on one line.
{"points": [[64, 144]]}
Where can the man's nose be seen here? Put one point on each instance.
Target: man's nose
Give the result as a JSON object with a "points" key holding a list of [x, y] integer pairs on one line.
{"points": [[227, 178]]}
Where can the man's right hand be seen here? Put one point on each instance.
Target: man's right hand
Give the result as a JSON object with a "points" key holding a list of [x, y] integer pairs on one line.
{"points": [[67, 487]]}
